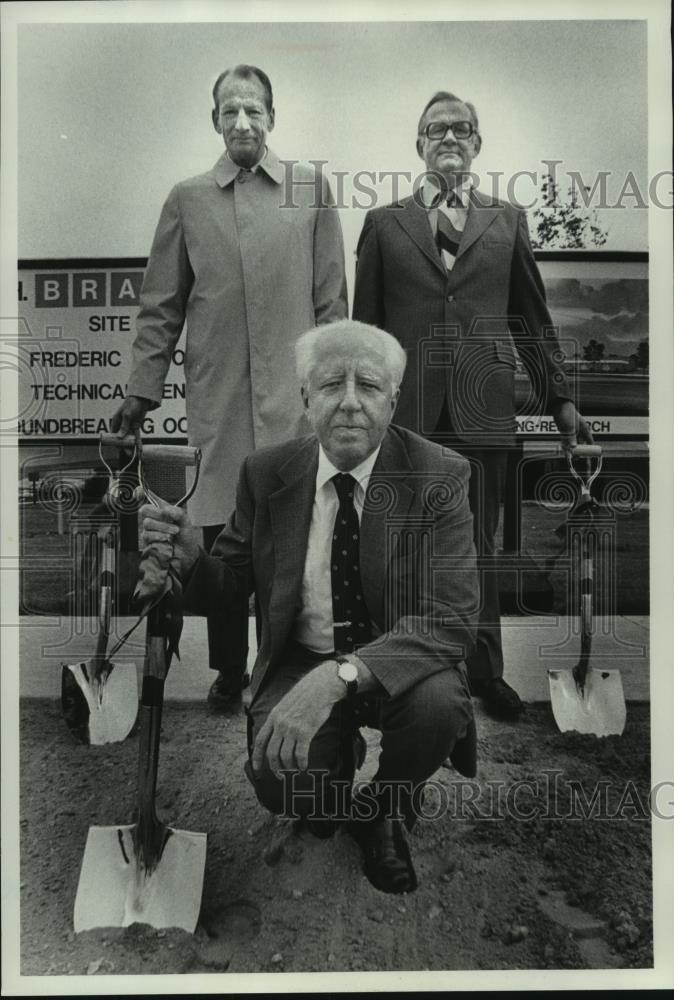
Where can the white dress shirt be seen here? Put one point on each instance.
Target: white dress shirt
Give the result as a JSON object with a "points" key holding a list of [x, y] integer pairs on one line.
{"points": [[314, 623]]}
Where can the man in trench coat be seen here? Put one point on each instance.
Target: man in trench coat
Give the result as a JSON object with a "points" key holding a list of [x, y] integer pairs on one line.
{"points": [[249, 255]]}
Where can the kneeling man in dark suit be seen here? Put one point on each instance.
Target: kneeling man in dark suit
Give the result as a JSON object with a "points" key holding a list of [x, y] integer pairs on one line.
{"points": [[358, 543]]}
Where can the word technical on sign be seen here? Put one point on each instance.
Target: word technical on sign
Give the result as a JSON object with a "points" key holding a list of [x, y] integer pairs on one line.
{"points": [[76, 331]]}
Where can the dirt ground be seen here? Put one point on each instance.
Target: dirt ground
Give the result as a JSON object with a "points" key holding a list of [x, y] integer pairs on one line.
{"points": [[497, 891]]}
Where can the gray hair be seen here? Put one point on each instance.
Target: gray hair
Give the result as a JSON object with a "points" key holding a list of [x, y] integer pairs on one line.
{"points": [[445, 95], [245, 72], [308, 345]]}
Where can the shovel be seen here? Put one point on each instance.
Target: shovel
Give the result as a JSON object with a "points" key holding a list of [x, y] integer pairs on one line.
{"points": [[99, 698], [584, 699], [146, 872]]}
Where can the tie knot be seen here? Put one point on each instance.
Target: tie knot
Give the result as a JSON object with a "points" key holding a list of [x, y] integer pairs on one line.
{"points": [[345, 485], [453, 200]]}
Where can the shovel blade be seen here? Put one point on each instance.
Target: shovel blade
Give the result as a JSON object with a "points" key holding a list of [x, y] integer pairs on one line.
{"points": [[598, 709], [115, 890], [99, 712]]}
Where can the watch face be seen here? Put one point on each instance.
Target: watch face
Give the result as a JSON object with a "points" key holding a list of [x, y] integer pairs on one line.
{"points": [[348, 672]]}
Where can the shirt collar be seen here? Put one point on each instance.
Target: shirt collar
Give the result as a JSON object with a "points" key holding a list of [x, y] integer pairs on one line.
{"points": [[361, 473], [227, 171], [431, 194]]}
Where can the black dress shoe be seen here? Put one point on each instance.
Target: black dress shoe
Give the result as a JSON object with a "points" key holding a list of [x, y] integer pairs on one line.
{"points": [[499, 699], [387, 862], [223, 695], [463, 756]]}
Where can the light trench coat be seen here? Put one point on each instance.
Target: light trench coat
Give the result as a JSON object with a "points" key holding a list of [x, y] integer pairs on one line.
{"points": [[249, 262]]}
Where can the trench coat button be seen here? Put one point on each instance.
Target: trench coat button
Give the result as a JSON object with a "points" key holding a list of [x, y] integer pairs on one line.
{"points": [[450, 298]]}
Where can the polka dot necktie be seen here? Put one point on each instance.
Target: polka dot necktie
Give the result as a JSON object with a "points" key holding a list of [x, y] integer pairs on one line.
{"points": [[351, 621]]}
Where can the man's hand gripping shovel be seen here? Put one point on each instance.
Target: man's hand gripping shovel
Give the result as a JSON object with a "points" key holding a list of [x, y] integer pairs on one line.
{"points": [[584, 699], [147, 872]]}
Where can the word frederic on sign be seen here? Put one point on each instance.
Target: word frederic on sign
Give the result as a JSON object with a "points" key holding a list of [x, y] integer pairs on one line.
{"points": [[79, 320]]}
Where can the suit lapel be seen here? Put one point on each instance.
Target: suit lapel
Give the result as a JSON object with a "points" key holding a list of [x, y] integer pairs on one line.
{"points": [[414, 220], [481, 214], [290, 510], [388, 501]]}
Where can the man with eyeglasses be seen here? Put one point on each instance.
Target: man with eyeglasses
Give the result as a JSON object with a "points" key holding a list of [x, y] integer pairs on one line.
{"points": [[450, 273]]}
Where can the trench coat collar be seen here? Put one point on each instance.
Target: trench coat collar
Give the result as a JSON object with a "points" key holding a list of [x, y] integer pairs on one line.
{"points": [[226, 170]]}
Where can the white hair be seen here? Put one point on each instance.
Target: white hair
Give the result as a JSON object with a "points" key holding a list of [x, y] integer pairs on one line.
{"points": [[309, 344]]}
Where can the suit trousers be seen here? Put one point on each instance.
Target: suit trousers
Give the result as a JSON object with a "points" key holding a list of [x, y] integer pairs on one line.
{"points": [[419, 728], [485, 495], [227, 633]]}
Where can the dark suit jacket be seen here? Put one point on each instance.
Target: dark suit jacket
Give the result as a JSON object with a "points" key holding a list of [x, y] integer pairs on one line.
{"points": [[417, 556], [460, 327]]}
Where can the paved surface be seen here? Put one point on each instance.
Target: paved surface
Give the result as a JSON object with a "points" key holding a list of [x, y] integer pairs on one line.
{"points": [[531, 646]]}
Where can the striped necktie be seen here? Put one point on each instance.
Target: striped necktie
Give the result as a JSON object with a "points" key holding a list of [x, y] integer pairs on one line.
{"points": [[448, 237]]}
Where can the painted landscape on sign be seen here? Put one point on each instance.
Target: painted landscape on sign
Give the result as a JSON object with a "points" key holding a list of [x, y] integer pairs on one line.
{"points": [[603, 323]]}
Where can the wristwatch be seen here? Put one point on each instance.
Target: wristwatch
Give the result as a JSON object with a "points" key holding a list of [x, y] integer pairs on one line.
{"points": [[348, 672]]}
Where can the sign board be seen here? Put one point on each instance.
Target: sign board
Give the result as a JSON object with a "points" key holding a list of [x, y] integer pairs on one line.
{"points": [[620, 426], [78, 322]]}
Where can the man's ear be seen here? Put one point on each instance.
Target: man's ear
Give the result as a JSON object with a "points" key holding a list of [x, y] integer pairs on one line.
{"points": [[272, 120], [420, 148], [477, 143], [215, 118], [394, 400]]}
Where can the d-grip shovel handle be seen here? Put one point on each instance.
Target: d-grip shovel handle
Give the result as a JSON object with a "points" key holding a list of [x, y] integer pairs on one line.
{"points": [[115, 441], [181, 454], [586, 478]]}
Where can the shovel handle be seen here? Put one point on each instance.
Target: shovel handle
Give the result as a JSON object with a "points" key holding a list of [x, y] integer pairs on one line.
{"points": [[593, 458], [179, 454], [155, 642], [107, 581], [115, 441]]}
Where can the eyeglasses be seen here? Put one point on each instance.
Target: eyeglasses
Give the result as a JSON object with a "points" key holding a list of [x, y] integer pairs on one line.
{"points": [[438, 130]]}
